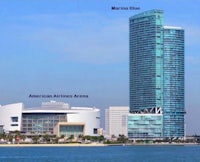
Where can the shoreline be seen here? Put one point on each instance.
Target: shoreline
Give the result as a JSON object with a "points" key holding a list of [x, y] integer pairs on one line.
{"points": [[96, 145], [53, 145]]}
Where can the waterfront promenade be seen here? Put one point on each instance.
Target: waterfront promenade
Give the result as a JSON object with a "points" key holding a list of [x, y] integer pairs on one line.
{"points": [[96, 145], [53, 145]]}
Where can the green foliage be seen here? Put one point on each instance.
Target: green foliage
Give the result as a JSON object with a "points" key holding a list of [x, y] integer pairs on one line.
{"points": [[35, 139], [47, 138], [111, 142], [71, 137], [122, 139], [62, 136]]}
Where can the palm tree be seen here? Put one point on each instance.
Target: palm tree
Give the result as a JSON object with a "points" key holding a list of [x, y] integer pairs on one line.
{"points": [[122, 138]]}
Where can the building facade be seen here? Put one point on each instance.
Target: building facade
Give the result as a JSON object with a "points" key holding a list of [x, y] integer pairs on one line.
{"points": [[116, 120], [68, 129], [11, 116], [146, 63], [173, 82], [43, 120], [157, 69], [146, 124]]}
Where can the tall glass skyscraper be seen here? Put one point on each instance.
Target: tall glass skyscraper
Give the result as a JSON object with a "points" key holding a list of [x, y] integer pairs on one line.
{"points": [[146, 60], [173, 82], [157, 69]]}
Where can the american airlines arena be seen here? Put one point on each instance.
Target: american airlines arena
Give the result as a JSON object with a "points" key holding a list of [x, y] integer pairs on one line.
{"points": [[52, 117]]}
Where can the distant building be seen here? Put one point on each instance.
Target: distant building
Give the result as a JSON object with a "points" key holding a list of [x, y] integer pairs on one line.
{"points": [[157, 69], [44, 119], [116, 120]]}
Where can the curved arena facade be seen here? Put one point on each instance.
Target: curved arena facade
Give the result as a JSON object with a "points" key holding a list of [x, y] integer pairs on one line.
{"points": [[50, 118]]}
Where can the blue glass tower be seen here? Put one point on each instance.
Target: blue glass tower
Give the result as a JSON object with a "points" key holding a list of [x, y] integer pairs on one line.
{"points": [[146, 60], [157, 69], [173, 119]]}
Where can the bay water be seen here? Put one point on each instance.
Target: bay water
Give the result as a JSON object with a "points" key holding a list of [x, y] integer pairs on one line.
{"points": [[101, 154]]}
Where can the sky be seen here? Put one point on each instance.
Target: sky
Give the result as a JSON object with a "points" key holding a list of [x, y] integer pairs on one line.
{"points": [[81, 47]]}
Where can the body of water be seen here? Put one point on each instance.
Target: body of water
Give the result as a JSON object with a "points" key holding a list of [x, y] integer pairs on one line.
{"points": [[101, 154]]}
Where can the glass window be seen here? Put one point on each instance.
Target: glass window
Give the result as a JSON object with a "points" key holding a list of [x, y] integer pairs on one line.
{"points": [[95, 130], [14, 119], [14, 125]]}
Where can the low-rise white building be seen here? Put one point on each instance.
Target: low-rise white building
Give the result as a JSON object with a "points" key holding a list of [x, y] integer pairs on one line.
{"points": [[116, 120]]}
